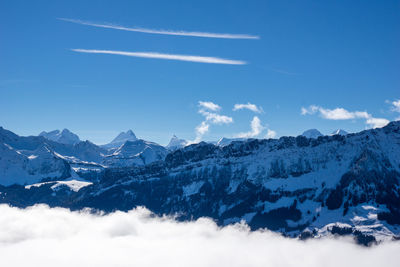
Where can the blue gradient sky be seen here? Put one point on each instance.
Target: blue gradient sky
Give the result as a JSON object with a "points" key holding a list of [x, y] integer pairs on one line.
{"points": [[327, 53]]}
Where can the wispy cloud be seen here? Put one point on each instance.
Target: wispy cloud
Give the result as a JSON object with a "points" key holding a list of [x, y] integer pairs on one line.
{"points": [[284, 72], [191, 58], [256, 129], [216, 118], [335, 114], [209, 105], [165, 32], [209, 111], [396, 105], [248, 106], [270, 134], [343, 114]]}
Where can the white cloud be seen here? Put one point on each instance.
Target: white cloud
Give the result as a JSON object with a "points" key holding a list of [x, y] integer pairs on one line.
{"points": [[248, 106], [209, 105], [202, 128], [256, 129], [396, 105], [40, 236], [209, 118], [270, 134], [343, 114], [334, 114], [191, 58], [377, 122], [166, 32], [216, 118]]}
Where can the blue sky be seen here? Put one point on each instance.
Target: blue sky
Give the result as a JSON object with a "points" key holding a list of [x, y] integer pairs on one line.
{"points": [[343, 57]]}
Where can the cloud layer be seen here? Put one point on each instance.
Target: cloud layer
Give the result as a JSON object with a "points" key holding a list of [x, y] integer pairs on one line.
{"points": [[343, 114], [191, 58], [164, 32], [40, 236]]}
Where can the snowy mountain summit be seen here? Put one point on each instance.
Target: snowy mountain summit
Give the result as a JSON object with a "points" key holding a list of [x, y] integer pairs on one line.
{"points": [[121, 139], [339, 132], [176, 143], [312, 133], [65, 136]]}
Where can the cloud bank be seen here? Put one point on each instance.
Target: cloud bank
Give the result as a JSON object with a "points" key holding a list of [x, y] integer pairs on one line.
{"points": [[191, 58], [164, 32], [343, 114], [43, 236]]}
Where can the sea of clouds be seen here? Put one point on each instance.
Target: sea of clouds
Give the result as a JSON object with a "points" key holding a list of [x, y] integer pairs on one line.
{"points": [[43, 236]]}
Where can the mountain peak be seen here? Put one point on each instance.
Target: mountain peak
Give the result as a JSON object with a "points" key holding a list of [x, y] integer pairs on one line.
{"points": [[65, 136], [339, 132], [176, 143], [121, 139], [312, 133], [125, 136]]}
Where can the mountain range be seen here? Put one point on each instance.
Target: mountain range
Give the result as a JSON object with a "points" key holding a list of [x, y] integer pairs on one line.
{"points": [[305, 186]]}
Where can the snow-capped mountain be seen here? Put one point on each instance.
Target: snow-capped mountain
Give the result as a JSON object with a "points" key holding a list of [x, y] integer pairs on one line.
{"points": [[121, 139], [64, 137], [339, 132], [176, 143], [312, 133], [298, 186], [133, 153], [35, 159]]}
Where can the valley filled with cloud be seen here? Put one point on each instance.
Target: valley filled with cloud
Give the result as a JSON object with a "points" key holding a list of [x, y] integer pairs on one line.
{"points": [[43, 236]]}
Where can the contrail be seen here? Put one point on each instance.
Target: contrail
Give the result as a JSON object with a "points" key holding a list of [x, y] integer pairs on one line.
{"points": [[212, 60], [166, 32]]}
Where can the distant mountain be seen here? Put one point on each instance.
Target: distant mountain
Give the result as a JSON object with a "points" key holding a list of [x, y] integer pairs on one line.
{"points": [[312, 133], [121, 139], [339, 132], [134, 153], [35, 159], [63, 137], [176, 143]]}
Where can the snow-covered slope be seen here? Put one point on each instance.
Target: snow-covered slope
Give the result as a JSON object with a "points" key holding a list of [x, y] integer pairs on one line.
{"points": [[339, 132], [63, 137], [121, 139], [226, 141], [295, 185], [312, 133], [36, 158], [132, 153], [176, 143], [23, 167]]}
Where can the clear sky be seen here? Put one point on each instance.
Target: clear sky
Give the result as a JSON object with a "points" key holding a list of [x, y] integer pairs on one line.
{"points": [[343, 57]]}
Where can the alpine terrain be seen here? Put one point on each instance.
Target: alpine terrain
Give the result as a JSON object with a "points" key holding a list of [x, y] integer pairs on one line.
{"points": [[305, 186]]}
